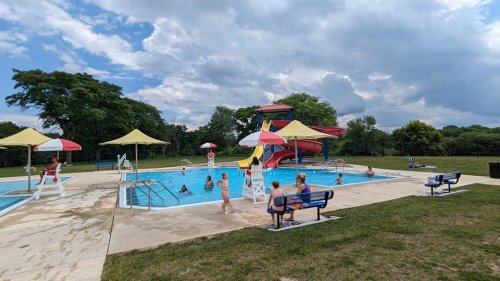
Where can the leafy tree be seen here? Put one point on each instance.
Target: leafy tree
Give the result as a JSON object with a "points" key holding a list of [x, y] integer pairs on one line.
{"points": [[246, 122], [8, 128], [222, 127], [309, 110], [418, 138], [380, 141], [87, 111], [12, 156], [360, 133]]}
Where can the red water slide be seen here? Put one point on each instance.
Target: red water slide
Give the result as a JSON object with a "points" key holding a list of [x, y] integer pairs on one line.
{"points": [[306, 146]]}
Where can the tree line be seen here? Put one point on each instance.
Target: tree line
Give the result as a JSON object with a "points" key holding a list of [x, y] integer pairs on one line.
{"points": [[89, 111]]}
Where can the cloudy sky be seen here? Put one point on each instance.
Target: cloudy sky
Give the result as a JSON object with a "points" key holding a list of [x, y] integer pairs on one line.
{"points": [[433, 60]]}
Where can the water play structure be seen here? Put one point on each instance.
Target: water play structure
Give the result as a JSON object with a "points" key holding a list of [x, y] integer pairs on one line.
{"points": [[278, 153]]}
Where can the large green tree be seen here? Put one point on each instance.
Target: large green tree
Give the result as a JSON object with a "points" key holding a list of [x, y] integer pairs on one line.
{"points": [[360, 134], [86, 110], [418, 138], [310, 110], [246, 121], [221, 129]]}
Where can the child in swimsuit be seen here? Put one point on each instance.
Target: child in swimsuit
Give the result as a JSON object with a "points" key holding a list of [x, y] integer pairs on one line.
{"points": [[275, 193], [340, 179], [223, 184], [209, 184]]}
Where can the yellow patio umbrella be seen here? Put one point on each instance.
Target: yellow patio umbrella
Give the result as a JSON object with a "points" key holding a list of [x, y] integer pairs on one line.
{"points": [[27, 137], [135, 137], [297, 131]]}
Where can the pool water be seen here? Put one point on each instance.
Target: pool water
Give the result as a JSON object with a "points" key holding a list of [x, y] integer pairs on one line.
{"points": [[194, 179], [16, 185], [10, 202]]}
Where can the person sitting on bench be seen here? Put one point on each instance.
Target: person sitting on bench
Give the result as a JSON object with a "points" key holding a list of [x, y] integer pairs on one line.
{"points": [[302, 187], [275, 193]]}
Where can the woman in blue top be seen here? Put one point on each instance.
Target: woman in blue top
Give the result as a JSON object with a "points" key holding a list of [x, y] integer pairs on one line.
{"points": [[302, 187]]}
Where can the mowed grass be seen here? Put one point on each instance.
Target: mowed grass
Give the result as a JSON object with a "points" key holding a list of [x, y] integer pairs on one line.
{"points": [[414, 238], [468, 165]]}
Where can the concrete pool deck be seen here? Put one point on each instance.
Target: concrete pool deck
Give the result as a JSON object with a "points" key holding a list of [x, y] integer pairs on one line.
{"points": [[68, 238]]}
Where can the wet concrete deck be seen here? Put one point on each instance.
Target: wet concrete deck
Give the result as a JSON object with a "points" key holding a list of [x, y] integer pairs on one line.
{"points": [[68, 238]]}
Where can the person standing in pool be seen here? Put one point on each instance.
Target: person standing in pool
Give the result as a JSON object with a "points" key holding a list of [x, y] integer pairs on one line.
{"points": [[369, 172], [223, 184], [209, 184], [340, 179]]}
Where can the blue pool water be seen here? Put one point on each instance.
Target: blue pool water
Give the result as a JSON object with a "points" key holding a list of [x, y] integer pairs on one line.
{"points": [[195, 180], [10, 202], [9, 186]]}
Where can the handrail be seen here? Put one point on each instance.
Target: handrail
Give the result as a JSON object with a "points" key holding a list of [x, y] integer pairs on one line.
{"points": [[188, 162], [168, 190], [149, 184]]}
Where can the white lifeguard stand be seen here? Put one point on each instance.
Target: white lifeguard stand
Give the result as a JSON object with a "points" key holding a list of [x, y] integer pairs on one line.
{"points": [[253, 185], [51, 183], [211, 163]]}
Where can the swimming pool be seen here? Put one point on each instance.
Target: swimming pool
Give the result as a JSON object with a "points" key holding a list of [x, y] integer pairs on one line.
{"points": [[195, 179], [10, 202]]}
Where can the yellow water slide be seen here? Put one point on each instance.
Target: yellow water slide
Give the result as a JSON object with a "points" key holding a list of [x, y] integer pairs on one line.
{"points": [[258, 149]]}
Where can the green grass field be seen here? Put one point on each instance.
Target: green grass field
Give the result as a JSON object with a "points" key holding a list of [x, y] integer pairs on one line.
{"points": [[413, 238], [467, 165]]}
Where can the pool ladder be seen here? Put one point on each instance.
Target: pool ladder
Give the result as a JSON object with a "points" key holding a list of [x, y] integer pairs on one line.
{"points": [[149, 183], [189, 163]]}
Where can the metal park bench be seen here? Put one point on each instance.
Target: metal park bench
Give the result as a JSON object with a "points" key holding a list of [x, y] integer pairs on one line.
{"points": [[448, 178], [289, 202], [105, 164]]}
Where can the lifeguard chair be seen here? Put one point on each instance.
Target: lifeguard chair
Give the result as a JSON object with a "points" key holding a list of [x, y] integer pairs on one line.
{"points": [[254, 186], [51, 183]]}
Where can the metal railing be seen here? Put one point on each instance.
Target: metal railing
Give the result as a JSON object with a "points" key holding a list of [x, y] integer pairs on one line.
{"points": [[149, 184], [189, 163]]}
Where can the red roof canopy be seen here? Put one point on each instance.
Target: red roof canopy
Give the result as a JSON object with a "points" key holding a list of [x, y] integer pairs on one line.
{"points": [[274, 108]]}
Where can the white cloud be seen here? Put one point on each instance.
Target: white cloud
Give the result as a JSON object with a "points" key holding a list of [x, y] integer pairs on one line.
{"points": [[10, 43], [398, 61], [23, 120]]}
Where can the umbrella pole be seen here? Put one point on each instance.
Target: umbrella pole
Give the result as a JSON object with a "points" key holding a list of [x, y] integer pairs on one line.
{"points": [[296, 159], [29, 167], [136, 161]]}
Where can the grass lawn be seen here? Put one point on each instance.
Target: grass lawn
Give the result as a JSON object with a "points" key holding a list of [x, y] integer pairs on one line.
{"points": [[468, 165], [414, 238]]}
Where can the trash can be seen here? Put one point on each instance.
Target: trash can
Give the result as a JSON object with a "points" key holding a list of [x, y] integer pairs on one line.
{"points": [[495, 169]]}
